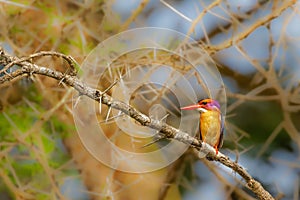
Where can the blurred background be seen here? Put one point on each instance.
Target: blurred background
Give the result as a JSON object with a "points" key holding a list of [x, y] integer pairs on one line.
{"points": [[255, 45]]}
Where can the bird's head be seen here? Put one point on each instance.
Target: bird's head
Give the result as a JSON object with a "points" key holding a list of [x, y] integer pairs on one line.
{"points": [[204, 105]]}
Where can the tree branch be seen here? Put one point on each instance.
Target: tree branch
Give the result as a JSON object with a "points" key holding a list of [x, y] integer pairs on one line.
{"points": [[27, 68], [245, 33]]}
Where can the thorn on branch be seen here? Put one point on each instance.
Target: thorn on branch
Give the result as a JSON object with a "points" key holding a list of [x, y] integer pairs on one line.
{"points": [[157, 137]]}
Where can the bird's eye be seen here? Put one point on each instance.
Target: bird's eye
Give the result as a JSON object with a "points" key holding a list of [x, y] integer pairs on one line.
{"points": [[204, 103]]}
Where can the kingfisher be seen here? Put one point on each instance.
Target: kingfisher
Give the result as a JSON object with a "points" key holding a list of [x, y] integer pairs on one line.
{"points": [[211, 125]]}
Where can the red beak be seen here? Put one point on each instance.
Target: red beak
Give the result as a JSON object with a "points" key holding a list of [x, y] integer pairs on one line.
{"points": [[191, 107]]}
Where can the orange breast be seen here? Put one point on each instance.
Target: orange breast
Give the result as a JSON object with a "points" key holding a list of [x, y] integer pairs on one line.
{"points": [[210, 127]]}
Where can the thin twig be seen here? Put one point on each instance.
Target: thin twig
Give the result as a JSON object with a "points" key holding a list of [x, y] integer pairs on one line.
{"points": [[239, 37], [134, 15]]}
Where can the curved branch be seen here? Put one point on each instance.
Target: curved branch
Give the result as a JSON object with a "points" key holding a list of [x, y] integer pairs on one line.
{"points": [[244, 34], [167, 131]]}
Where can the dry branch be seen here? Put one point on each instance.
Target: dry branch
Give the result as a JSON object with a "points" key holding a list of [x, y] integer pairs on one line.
{"points": [[245, 33], [28, 68]]}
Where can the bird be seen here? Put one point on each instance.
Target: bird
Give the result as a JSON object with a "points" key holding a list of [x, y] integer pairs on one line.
{"points": [[211, 125]]}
